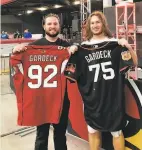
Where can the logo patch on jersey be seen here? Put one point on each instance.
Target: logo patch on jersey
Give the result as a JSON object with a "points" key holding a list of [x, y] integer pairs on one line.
{"points": [[61, 48], [43, 51], [95, 46], [71, 68], [126, 55]]}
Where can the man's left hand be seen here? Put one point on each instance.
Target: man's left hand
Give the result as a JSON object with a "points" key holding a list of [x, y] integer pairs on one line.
{"points": [[72, 49]]}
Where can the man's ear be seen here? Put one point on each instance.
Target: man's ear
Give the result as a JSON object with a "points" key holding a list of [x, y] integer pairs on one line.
{"points": [[43, 27]]}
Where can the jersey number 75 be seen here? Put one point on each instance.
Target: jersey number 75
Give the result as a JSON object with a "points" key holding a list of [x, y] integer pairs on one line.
{"points": [[105, 69]]}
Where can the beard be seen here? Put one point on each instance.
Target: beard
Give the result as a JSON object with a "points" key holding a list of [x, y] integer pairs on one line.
{"points": [[52, 35]]}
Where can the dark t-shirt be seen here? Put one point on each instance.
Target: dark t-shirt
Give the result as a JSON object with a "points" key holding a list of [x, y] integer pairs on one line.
{"points": [[43, 41], [101, 84]]}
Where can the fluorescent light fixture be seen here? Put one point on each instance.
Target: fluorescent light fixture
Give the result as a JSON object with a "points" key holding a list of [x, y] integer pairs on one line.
{"points": [[76, 2], [29, 11], [57, 6], [19, 14], [42, 8]]}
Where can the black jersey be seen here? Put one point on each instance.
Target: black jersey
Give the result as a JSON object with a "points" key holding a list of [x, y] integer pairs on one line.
{"points": [[96, 68]]}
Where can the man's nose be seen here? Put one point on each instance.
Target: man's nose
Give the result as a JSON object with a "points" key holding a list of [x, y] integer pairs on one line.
{"points": [[52, 25]]}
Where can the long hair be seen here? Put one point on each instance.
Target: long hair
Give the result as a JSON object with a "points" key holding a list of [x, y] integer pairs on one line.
{"points": [[105, 28]]}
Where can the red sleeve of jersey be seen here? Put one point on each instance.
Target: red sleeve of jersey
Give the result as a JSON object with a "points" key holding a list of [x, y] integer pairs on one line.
{"points": [[17, 75], [65, 58], [66, 54], [16, 65], [16, 58]]}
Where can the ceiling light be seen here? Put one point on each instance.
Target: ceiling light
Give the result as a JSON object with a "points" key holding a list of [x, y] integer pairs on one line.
{"points": [[29, 11], [76, 3], [19, 14], [42, 8], [57, 6]]}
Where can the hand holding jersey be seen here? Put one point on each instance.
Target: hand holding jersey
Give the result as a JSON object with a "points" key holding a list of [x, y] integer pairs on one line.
{"points": [[72, 49], [124, 43], [19, 48]]}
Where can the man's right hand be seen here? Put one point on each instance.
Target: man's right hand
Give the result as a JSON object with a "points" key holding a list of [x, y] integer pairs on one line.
{"points": [[19, 48]]}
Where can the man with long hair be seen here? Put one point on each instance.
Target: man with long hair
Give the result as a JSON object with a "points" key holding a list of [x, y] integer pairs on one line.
{"points": [[97, 30], [101, 92]]}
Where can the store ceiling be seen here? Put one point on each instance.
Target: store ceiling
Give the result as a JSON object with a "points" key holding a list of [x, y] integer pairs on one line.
{"points": [[14, 7]]}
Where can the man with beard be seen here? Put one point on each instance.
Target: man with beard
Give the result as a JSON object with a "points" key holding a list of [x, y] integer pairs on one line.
{"points": [[51, 26]]}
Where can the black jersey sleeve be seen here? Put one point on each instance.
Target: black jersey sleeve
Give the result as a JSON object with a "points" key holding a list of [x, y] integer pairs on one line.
{"points": [[72, 68], [125, 60]]}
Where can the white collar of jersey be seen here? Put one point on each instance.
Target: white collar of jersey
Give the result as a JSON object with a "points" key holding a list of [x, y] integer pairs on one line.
{"points": [[99, 41]]}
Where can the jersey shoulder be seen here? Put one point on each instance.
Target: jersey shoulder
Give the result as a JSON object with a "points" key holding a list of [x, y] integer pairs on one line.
{"points": [[92, 42], [38, 42]]}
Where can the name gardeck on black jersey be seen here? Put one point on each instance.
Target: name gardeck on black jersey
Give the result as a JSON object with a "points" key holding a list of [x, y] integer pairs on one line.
{"points": [[98, 55]]}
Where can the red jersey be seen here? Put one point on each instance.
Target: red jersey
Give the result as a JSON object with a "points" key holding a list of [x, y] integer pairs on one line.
{"points": [[38, 80]]}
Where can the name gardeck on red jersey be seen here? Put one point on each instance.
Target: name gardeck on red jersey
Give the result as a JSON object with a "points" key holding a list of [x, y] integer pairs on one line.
{"points": [[42, 58]]}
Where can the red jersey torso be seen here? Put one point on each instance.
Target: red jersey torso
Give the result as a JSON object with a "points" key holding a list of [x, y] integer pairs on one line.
{"points": [[37, 75]]}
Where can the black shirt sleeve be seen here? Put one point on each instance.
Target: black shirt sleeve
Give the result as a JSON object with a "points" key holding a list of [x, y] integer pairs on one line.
{"points": [[63, 43]]}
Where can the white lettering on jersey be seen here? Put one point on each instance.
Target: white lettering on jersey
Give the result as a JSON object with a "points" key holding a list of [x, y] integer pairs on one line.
{"points": [[104, 66], [39, 76], [42, 58], [98, 55]]}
